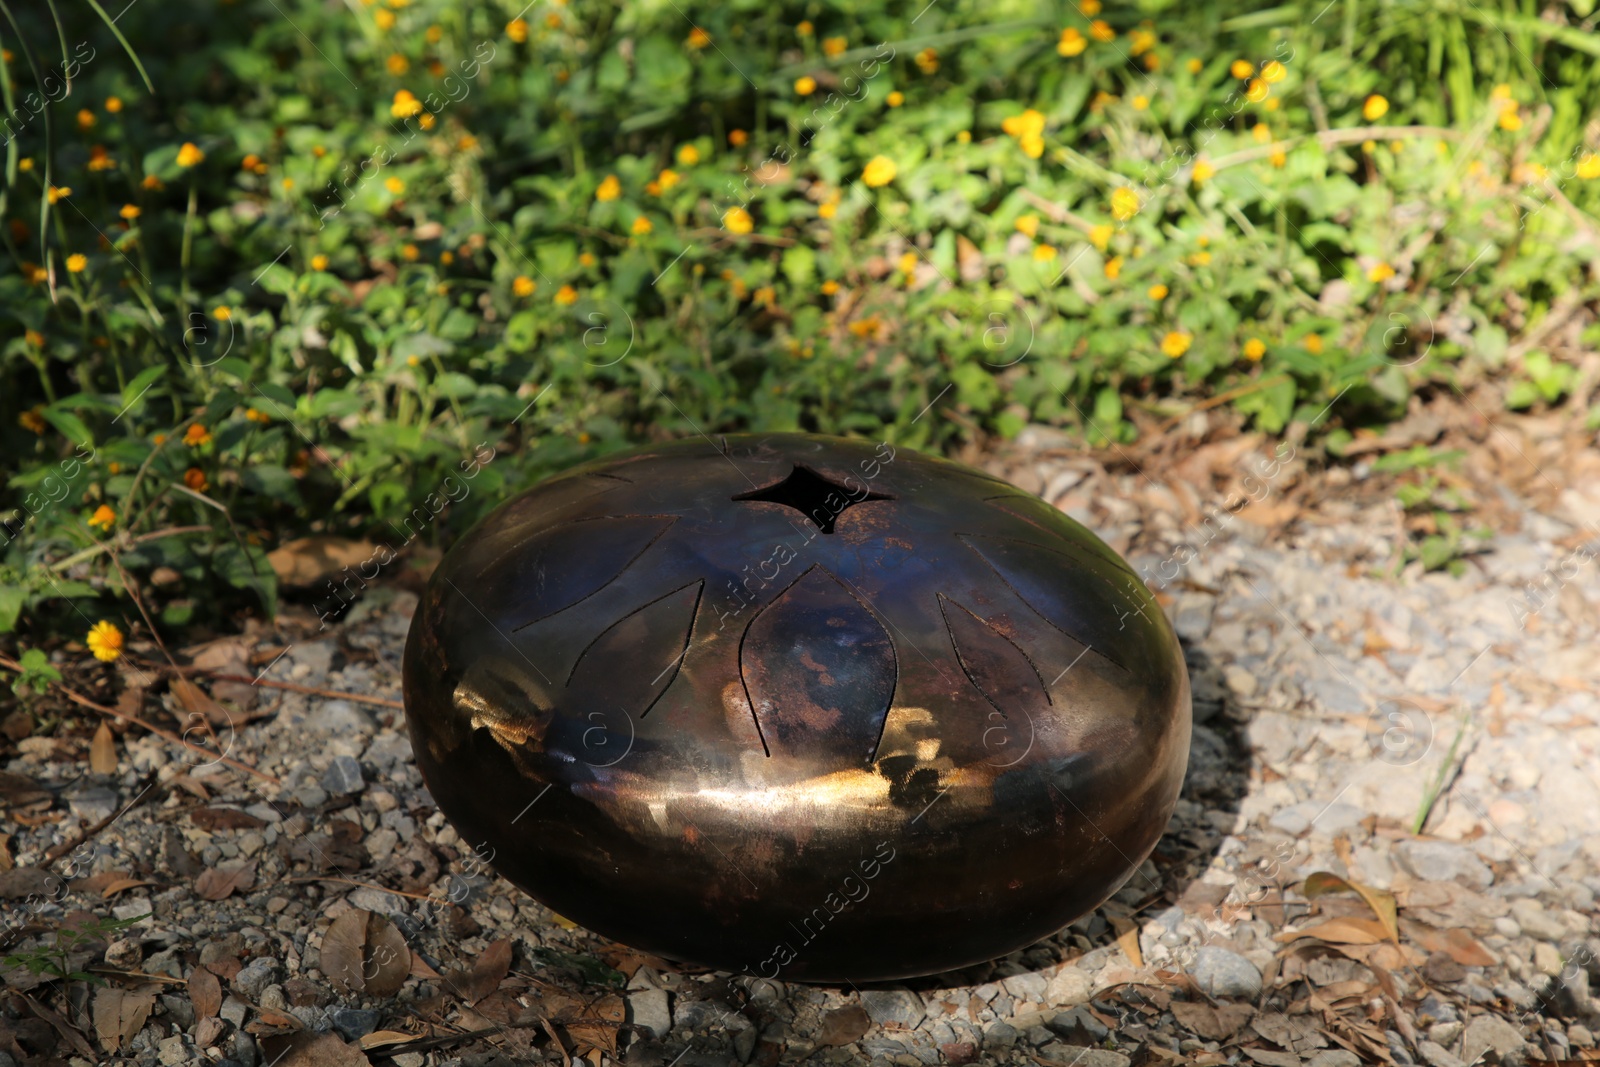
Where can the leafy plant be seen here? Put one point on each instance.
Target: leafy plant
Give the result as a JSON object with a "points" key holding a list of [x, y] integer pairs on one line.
{"points": [[55, 959], [36, 675]]}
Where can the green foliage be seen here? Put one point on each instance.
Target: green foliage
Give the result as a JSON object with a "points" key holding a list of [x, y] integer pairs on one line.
{"points": [[55, 959], [36, 674], [349, 264]]}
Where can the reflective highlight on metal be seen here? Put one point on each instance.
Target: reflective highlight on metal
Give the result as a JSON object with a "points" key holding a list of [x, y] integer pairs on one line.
{"points": [[798, 706]]}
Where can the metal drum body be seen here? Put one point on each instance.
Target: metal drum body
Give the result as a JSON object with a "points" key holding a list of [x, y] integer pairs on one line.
{"points": [[798, 706]]}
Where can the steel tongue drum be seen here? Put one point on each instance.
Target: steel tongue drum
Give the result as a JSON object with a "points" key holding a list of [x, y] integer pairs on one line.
{"points": [[798, 706]]}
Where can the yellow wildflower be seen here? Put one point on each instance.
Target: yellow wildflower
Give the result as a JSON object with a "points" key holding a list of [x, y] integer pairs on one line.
{"points": [[103, 517], [1029, 122], [1113, 267], [698, 38], [566, 296], [895, 98], [609, 188], [737, 138], [830, 287], [1194, 66], [222, 313], [85, 118], [397, 64], [319, 262], [641, 226], [1273, 72], [113, 104], [196, 435], [1157, 292], [1254, 349], [32, 420], [189, 155], [1257, 91], [1241, 69], [1176, 343], [1380, 272], [257, 416], [1140, 102], [1124, 203], [1140, 41], [1089, 8], [1510, 119], [1100, 236], [58, 193], [688, 155], [384, 19], [394, 185], [927, 60], [1203, 170], [805, 85], [879, 171], [833, 46], [908, 263], [1032, 145], [1374, 108], [1027, 224], [1101, 31], [517, 30], [738, 220], [1261, 132], [76, 262], [434, 34], [1588, 166], [804, 28], [1044, 253], [1072, 42], [522, 285], [405, 104], [105, 641], [1313, 343], [1278, 157]]}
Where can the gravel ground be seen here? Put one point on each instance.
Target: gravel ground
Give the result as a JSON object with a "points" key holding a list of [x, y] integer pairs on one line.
{"points": [[1334, 690]]}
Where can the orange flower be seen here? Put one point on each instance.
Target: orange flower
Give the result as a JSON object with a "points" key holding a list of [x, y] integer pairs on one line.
{"points": [[105, 641], [103, 517], [196, 435], [195, 479]]}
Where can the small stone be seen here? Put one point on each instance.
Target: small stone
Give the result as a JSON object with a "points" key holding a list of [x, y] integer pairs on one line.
{"points": [[1546, 958], [342, 777], [1068, 987], [410, 1059], [843, 1026], [1436, 1055], [1535, 921], [353, 1023], [1026, 986], [172, 1053], [893, 1007], [648, 1009], [744, 1043], [999, 1035], [1088, 1057], [94, 803], [959, 1053], [1445, 1033], [255, 977], [1435, 1010], [1441, 861], [340, 718], [1221, 972], [1241, 681], [1580, 1035], [234, 1011], [1490, 1033]]}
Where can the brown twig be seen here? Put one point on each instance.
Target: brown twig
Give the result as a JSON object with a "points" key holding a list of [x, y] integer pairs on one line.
{"points": [[382, 702], [362, 885], [67, 846], [79, 699]]}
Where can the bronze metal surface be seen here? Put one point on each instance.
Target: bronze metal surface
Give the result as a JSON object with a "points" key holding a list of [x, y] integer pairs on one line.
{"points": [[798, 706]]}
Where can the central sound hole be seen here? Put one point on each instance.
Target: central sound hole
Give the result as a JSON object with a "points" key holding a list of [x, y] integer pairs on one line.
{"points": [[817, 498]]}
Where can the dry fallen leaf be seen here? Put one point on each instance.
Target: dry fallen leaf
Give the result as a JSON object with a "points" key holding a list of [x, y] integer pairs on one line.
{"points": [[1212, 1022], [387, 1038], [308, 560], [195, 701], [205, 993], [120, 1013], [483, 976], [1456, 943], [219, 883], [363, 952], [1381, 901], [213, 819], [312, 1050], [103, 751], [227, 655], [1343, 930]]}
